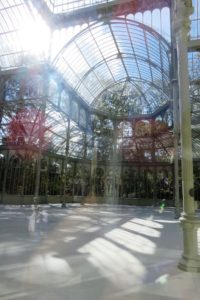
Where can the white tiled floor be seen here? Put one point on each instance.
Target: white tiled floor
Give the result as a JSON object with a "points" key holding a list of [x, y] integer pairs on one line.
{"points": [[92, 253]]}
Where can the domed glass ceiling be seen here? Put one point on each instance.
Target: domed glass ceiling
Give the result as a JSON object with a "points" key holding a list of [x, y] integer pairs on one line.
{"points": [[118, 56], [113, 52]]}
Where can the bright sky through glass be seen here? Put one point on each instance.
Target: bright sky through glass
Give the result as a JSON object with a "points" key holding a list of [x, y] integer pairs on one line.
{"points": [[158, 20], [35, 37], [63, 6], [195, 20]]}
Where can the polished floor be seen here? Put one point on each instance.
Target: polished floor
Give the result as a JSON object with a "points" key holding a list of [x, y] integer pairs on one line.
{"points": [[92, 252]]}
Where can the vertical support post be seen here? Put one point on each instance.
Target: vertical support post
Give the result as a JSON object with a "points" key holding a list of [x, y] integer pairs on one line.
{"points": [[37, 180], [190, 260], [40, 124], [153, 157], [114, 166], [93, 168], [83, 167], [66, 162], [5, 169], [176, 119], [176, 132], [5, 176], [41, 121]]}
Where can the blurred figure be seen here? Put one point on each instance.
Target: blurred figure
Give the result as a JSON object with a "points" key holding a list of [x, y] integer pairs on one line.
{"points": [[32, 221], [36, 219], [162, 205]]}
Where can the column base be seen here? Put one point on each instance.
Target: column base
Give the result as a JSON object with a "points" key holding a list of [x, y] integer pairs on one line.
{"points": [[190, 261], [189, 265]]}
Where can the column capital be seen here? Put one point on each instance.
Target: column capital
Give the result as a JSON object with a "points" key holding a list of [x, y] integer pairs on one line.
{"points": [[181, 17]]}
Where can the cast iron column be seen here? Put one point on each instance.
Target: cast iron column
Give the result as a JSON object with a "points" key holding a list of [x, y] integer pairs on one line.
{"points": [[190, 260]]}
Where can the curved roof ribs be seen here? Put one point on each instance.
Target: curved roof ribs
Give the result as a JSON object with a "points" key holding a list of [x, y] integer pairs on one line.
{"points": [[114, 51]]}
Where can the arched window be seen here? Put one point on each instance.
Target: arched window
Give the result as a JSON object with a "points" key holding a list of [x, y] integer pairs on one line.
{"points": [[147, 17], [168, 118], [33, 87], [156, 20], [139, 17], [83, 117], [65, 101], [12, 89], [143, 128], [53, 91], [165, 23], [125, 129], [75, 110]]}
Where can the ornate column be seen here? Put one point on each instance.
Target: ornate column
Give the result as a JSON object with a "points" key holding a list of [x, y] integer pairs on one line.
{"points": [[190, 260], [176, 133]]}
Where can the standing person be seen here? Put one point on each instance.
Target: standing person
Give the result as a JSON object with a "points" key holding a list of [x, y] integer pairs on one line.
{"points": [[162, 205]]}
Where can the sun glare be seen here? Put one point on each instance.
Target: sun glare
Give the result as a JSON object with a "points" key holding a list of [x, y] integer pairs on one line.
{"points": [[36, 38]]}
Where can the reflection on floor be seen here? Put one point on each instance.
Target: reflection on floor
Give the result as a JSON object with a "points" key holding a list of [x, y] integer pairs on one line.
{"points": [[92, 252]]}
